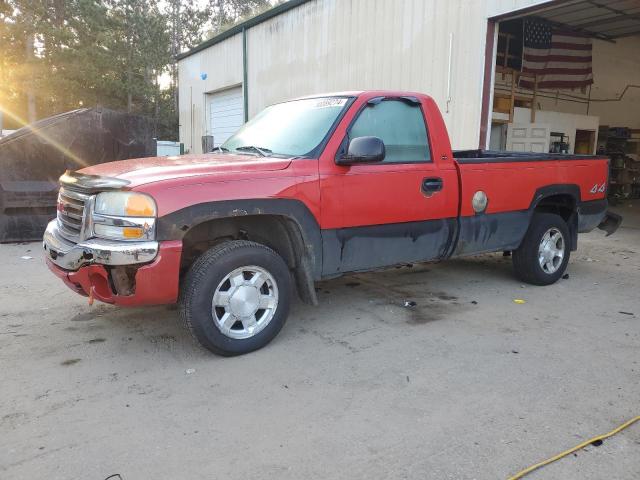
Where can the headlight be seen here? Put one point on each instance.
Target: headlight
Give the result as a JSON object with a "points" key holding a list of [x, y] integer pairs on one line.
{"points": [[124, 216], [125, 204]]}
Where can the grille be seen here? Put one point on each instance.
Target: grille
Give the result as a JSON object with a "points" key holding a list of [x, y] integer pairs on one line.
{"points": [[70, 213]]}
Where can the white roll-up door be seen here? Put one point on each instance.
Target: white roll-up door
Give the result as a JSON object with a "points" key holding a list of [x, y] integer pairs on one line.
{"points": [[226, 114]]}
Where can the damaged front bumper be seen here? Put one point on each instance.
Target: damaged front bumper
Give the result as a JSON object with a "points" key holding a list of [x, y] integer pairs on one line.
{"points": [[71, 256], [122, 273]]}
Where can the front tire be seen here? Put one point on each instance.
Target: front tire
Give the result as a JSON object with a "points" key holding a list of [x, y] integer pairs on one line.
{"points": [[544, 253], [235, 297]]}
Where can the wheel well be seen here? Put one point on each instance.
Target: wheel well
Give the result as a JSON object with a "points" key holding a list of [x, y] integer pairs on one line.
{"points": [[564, 205], [278, 232]]}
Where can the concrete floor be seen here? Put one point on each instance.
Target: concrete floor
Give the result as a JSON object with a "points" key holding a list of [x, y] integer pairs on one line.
{"points": [[360, 387]]}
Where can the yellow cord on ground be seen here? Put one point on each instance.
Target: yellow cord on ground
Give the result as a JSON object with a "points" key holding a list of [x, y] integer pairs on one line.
{"points": [[527, 471]]}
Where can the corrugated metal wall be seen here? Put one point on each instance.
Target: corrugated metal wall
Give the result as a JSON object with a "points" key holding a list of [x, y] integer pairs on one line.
{"points": [[222, 65], [332, 45]]}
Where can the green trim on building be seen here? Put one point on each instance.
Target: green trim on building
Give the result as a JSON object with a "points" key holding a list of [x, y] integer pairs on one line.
{"points": [[245, 85]]}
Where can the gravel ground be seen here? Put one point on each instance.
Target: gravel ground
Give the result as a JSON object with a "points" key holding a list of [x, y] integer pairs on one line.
{"points": [[465, 385]]}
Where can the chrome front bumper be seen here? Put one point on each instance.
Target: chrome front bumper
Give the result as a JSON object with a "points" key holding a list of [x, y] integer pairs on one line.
{"points": [[72, 256]]}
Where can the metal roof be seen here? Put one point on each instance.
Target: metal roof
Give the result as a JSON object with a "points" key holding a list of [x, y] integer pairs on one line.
{"points": [[604, 19], [263, 17]]}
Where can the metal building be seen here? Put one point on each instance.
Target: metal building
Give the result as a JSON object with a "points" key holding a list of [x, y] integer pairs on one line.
{"points": [[446, 48]]}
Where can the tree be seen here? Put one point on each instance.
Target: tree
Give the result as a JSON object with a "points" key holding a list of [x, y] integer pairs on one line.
{"points": [[18, 63], [58, 55], [139, 43], [228, 12]]}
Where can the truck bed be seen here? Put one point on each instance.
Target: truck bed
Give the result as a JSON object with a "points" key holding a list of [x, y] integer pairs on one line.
{"points": [[513, 183], [495, 156]]}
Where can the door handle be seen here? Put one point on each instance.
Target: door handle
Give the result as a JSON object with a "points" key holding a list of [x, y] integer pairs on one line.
{"points": [[431, 185]]}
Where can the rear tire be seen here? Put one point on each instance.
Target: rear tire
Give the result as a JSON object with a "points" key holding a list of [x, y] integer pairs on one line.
{"points": [[235, 297], [544, 253]]}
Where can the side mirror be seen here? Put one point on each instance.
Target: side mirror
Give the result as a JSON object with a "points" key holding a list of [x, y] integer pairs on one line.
{"points": [[363, 150]]}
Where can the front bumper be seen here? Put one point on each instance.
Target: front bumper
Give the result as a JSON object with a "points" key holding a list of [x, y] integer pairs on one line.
{"points": [[71, 256], [87, 268]]}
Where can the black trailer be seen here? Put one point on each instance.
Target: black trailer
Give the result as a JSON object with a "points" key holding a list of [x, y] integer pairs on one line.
{"points": [[33, 158]]}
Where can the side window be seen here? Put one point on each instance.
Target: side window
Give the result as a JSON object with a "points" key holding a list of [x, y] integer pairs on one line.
{"points": [[399, 125]]}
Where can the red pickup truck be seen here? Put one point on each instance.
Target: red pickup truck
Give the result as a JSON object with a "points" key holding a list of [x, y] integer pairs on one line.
{"points": [[311, 189]]}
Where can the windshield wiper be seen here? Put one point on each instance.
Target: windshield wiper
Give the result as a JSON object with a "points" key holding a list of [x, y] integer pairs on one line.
{"points": [[222, 149], [263, 152]]}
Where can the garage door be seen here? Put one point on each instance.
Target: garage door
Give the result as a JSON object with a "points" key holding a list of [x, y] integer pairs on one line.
{"points": [[226, 115]]}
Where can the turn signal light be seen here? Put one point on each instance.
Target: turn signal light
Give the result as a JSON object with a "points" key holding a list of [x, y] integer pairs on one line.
{"points": [[139, 206], [132, 232]]}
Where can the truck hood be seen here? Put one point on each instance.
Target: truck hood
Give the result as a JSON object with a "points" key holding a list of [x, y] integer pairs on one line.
{"points": [[139, 171]]}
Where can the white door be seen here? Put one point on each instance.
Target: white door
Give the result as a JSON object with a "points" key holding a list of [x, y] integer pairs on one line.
{"points": [[498, 138], [528, 137], [226, 114]]}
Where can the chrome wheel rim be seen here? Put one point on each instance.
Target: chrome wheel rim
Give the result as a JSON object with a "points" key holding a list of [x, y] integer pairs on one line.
{"points": [[551, 251], [245, 302]]}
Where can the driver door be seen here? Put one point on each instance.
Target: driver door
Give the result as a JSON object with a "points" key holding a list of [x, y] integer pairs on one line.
{"points": [[402, 209]]}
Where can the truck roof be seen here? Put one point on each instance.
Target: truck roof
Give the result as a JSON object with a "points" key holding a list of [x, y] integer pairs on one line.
{"points": [[357, 93]]}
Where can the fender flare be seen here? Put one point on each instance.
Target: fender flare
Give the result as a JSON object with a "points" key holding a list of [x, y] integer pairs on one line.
{"points": [[175, 225], [570, 189], [557, 189]]}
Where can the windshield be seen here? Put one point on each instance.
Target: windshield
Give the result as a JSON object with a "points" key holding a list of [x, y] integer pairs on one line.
{"points": [[292, 128]]}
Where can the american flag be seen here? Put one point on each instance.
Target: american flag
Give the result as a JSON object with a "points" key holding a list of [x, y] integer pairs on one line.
{"points": [[559, 58]]}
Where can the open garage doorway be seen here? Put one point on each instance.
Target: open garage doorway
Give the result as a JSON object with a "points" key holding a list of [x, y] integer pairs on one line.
{"points": [[565, 78]]}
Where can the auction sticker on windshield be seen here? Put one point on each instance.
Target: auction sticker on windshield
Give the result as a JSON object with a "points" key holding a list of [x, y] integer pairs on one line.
{"points": [[330, 102]]}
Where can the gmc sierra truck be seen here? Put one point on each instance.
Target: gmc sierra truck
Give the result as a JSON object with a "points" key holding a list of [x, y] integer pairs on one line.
{"points": [[311, 189]]}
